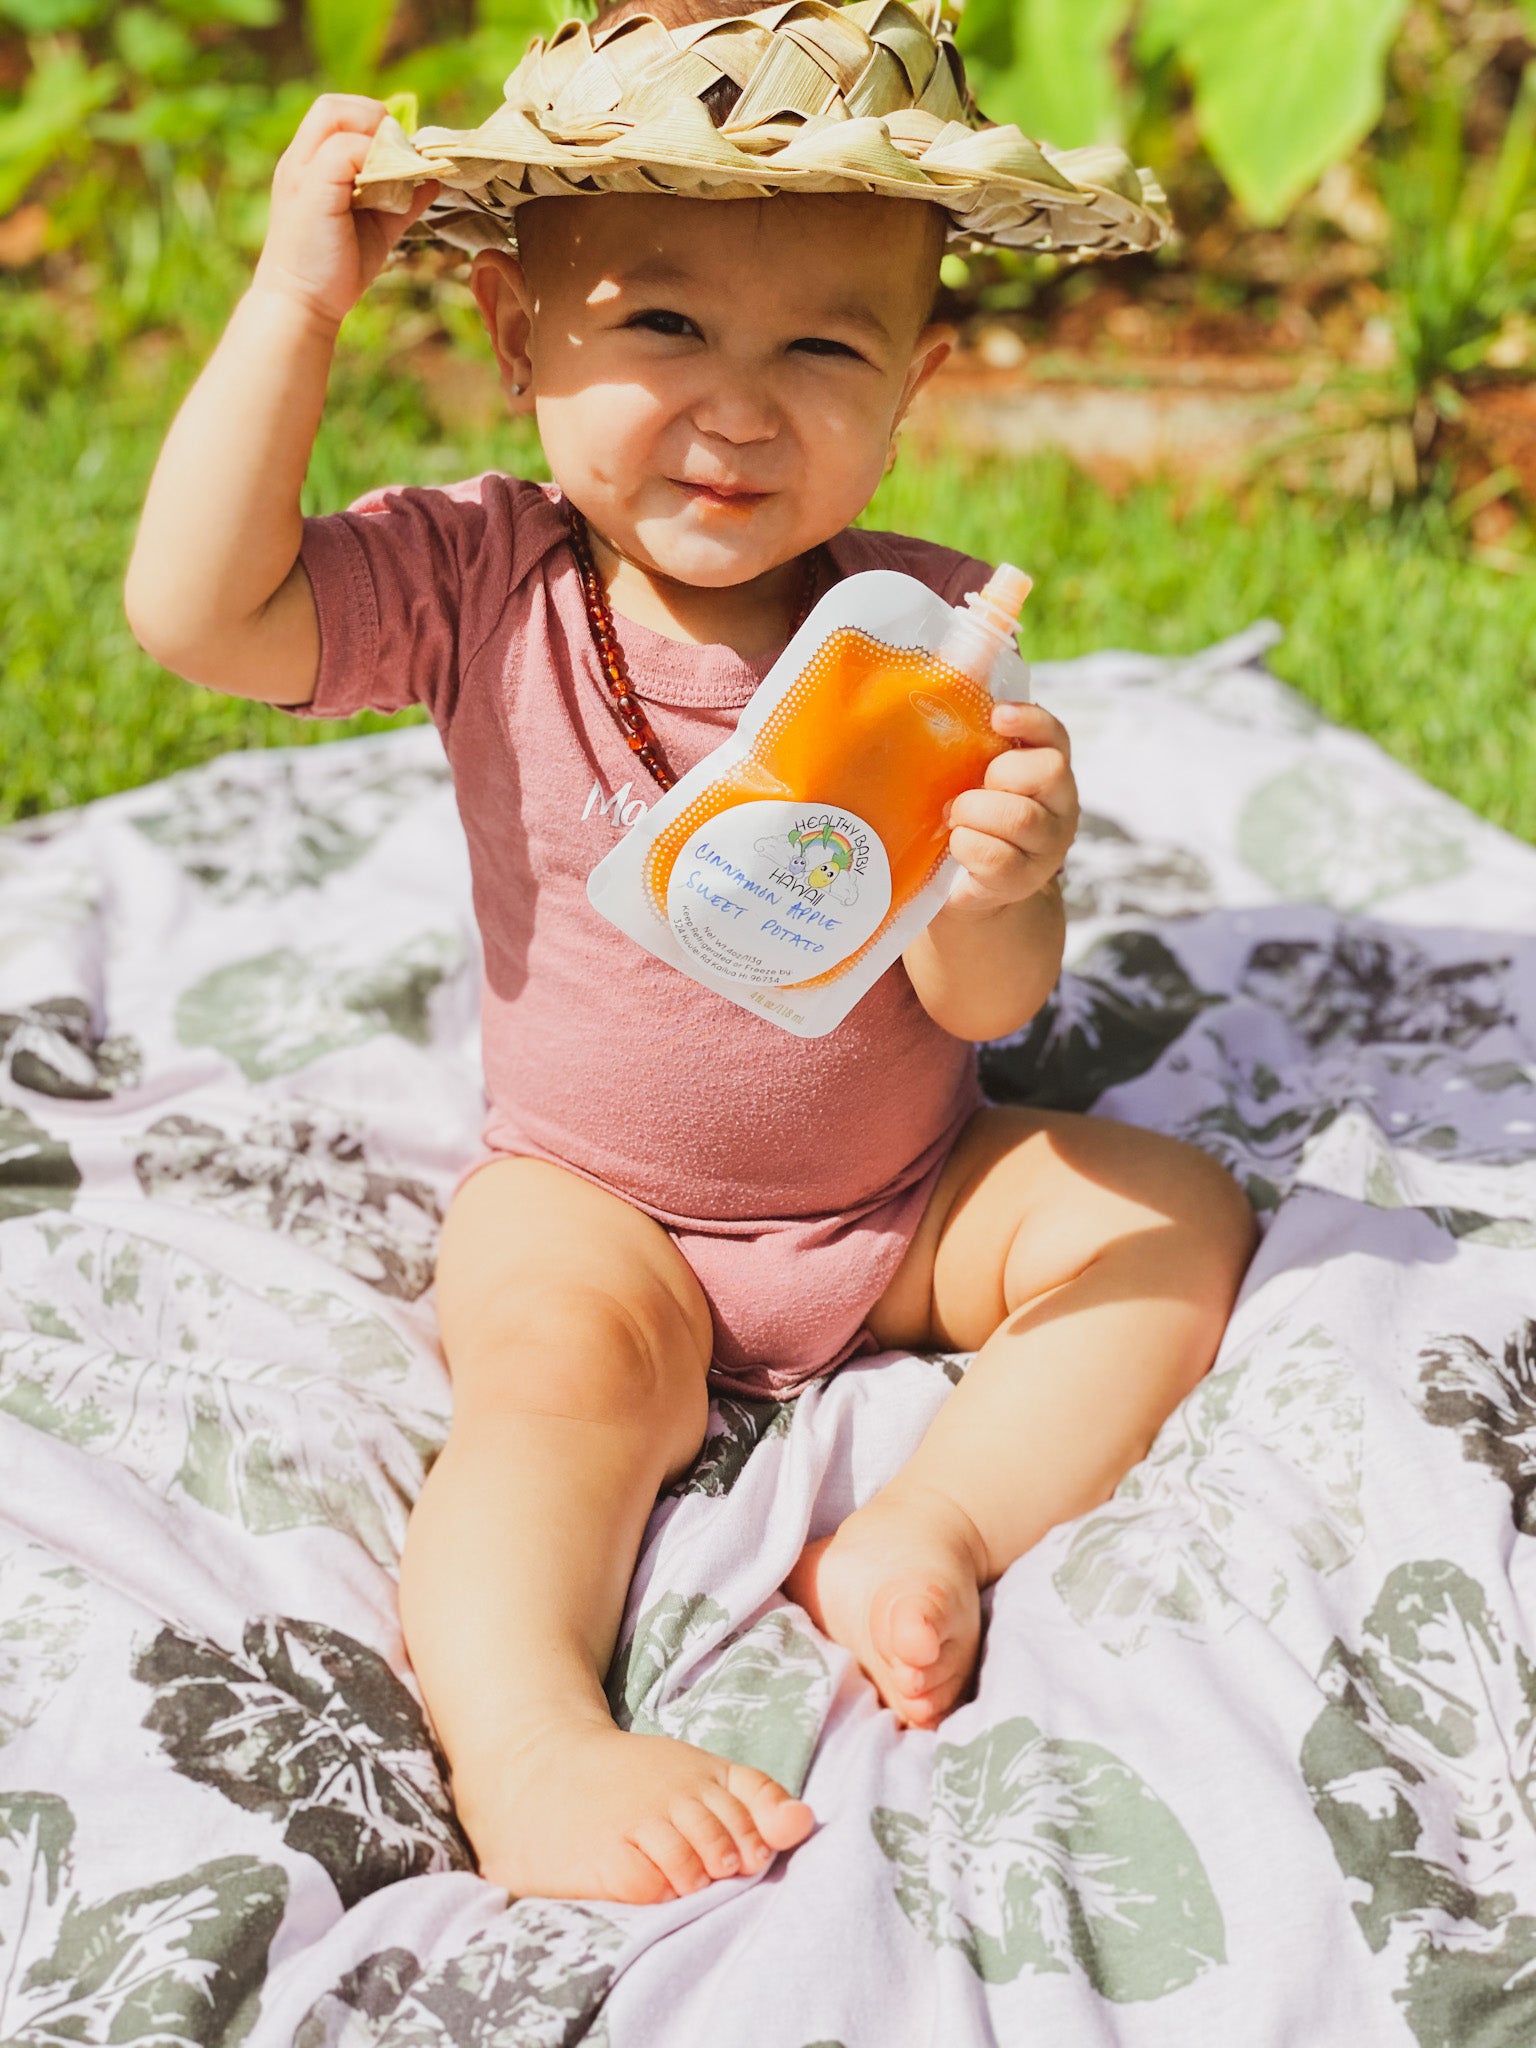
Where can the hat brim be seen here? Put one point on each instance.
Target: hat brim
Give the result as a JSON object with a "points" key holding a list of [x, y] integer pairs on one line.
{"points": [[626, 112]]}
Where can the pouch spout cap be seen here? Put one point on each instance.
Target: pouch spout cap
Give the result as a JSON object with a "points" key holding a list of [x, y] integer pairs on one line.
{"points": [[1008, 587], [1000, 600], [985, 625]]}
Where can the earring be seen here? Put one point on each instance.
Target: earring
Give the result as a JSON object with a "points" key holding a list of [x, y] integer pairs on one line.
{"points": [[518, 390]]}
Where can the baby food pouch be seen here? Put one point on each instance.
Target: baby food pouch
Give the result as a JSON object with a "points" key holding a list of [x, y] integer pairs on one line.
{"points": [[793, 864]]}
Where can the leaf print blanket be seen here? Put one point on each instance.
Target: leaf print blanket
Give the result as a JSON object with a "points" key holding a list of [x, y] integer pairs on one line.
{"points": [[1252, 1758]]}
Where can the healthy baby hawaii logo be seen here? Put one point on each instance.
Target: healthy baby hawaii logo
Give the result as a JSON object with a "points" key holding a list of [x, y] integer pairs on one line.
{"points": [[771, 894], [827, 852]]}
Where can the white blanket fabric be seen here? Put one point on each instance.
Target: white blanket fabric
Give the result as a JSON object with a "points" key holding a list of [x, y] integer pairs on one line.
{"points": [[1253, 1755]]}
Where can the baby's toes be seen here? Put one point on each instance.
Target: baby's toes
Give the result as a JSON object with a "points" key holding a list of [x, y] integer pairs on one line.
{"points": [[780, 1819], [627, 1874], [912, 1635], [913, 1643], [927, 1709], [710, 1836], [750, 1847], [672, 1853], [925, 1640]]}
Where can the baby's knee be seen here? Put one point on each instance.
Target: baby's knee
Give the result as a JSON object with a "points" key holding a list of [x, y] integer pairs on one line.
{"points": [[1222, 1215], [1187, 1216], [1181, 1189], [577, 1349], [1216, 1233]]}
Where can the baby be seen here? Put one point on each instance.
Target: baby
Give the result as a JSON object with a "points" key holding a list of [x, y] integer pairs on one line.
{"points": [[678, 1194]]}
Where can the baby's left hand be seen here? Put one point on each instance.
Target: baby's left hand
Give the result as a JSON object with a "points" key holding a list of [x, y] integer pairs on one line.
{"points": [[1011, 835]]}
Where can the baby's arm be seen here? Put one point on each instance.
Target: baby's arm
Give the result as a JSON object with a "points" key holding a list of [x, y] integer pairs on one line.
{"points": [[215, 588]]}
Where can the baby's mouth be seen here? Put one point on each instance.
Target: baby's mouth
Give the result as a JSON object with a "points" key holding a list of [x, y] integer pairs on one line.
{"points": [[721, 497]]}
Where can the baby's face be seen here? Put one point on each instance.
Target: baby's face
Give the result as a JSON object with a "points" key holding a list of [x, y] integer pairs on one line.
{"points": [[717, 381]]}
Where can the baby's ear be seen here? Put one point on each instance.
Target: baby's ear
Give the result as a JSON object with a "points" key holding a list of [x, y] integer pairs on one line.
{"points": [[930, 351], [501, 293]]}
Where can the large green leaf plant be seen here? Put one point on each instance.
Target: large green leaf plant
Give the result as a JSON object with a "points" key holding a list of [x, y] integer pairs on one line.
{"points": [[1281, 88]]}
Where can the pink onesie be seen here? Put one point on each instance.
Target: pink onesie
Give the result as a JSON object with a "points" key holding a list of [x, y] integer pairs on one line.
{"points": [[791, 1173]]}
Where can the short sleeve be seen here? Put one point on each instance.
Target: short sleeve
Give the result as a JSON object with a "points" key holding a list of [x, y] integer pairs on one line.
{"points": [[946, 571], [965, 574], [408, 584]]}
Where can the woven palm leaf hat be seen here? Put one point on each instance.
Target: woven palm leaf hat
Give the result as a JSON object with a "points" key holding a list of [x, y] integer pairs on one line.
{"points": [[799, 97]]}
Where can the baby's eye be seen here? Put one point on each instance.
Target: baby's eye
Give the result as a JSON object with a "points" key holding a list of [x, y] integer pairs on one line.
{"points": [[658, 320], [818, 345]]}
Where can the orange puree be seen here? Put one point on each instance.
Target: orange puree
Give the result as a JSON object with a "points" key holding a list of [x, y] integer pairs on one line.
{"points": [[889, 733]]}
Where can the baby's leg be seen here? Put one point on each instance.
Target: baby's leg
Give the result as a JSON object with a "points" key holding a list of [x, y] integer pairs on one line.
{"points": [[1091, 1266], [578, 1340]]}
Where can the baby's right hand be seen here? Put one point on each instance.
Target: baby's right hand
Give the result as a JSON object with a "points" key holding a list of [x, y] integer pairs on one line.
{"points": [[318, 251]]}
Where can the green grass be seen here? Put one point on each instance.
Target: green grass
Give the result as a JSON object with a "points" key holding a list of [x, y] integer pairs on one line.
{"points": [[1387, 626], [82, 711]]}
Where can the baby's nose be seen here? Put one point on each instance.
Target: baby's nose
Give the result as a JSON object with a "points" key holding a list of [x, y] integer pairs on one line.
{"points": [[735, 407]]}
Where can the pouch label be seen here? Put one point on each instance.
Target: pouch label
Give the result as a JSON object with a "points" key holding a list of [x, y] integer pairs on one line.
{"points": [[770, 894]]}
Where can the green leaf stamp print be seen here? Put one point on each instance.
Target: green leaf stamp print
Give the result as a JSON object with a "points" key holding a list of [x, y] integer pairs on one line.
{"points": [[44, 1607], [1422, 1773], [675, 1624], [536, 1980], [1261, 1121], [304, 1171], [1491, 1403], [284, 1009], [1318, 834], [1112, 873], [302, 1420], [51, 1048], [737, 1426], [1253, 1479], [1110, 1021], [1046, 1855], [762, 1700], [1373, 988], [171, 1964], [1354, 1157], [284, 826], [312, 1728], [36, 1170]]}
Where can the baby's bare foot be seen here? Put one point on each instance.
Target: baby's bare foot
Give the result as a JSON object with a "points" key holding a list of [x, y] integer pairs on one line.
{"points": [[897, 1585], [579, 1810]]}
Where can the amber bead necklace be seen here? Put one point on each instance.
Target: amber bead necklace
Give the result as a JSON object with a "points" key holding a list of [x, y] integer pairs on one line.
{"points": [[643, 743]]}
